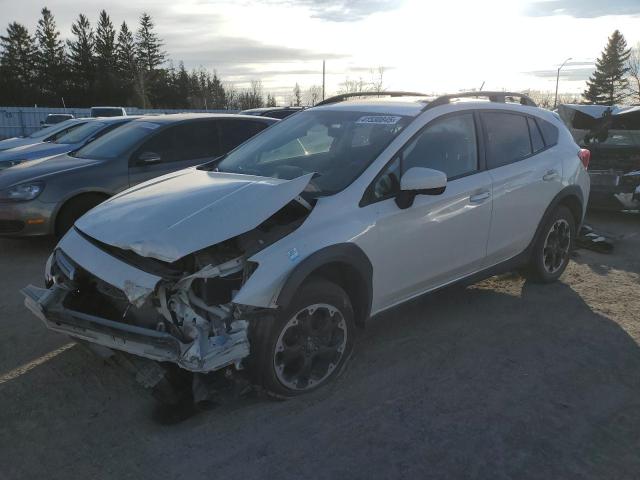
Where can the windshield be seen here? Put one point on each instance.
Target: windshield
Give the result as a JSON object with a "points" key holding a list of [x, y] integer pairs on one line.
{"points": [[336, 145], [117, 142], [52, 129], [82, 133]]}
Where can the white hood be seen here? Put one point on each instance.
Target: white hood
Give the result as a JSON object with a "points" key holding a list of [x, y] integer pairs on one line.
{"points": [[172, 216]]}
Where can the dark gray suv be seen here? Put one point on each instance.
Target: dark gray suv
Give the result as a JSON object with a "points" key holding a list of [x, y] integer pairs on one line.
{"points": [[47, 196]]}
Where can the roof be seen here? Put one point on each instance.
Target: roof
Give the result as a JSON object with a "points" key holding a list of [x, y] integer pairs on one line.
{"points": [[268, 109], [180, 117], [407, 106]]}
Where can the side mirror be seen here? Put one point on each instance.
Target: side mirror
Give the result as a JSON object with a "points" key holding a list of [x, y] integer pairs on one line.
{"points": [[149, 158], [420, 181]]}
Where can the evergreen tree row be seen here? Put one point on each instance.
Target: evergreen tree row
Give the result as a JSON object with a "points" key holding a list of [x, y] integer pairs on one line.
{"points": [[106, 66]]}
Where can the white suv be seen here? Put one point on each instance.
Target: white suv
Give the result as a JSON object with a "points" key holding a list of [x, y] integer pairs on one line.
{"points": [[266, 259]]}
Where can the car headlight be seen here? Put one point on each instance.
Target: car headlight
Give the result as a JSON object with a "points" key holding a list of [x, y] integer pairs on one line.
{"points": [[22, 193]]}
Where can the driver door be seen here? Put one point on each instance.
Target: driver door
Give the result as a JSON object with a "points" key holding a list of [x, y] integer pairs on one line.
{"points": [[174, 148], [439, 238]]}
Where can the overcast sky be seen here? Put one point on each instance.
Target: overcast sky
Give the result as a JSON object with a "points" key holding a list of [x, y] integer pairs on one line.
{"points": [[439, 46]]}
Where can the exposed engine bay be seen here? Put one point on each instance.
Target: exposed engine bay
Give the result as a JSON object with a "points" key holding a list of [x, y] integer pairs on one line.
{"points": [[187, 317]]}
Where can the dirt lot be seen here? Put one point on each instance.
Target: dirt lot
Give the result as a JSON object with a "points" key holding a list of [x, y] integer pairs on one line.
{"points": [[504, 379]]}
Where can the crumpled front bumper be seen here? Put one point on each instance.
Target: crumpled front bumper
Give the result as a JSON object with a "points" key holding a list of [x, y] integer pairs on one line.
{"points": [[47, 304]]}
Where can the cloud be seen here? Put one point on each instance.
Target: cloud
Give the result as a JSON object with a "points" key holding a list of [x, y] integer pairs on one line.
{"points": [[572, 74], [343, 10], [583, 8]]}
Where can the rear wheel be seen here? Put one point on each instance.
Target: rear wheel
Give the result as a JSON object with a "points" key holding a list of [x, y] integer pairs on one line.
{"points": [[74, 209], [307, 344], [553, 248]]}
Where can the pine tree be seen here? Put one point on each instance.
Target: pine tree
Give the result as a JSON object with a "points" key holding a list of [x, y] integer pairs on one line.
{"points": [[271, 100], [18, 55], [82, 60], [50, 65], [149, 46], [126, 66], [608, 84], [105, 51]]}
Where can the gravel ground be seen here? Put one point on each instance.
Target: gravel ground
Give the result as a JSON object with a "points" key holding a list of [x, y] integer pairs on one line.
{"points": [[504, 379]]}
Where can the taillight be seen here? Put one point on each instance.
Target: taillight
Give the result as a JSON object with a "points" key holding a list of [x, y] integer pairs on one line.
{"points": [[585, 157]]}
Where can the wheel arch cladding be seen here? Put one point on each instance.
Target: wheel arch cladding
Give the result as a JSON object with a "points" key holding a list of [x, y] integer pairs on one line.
{"points": [[344, 264], [572, 198]]}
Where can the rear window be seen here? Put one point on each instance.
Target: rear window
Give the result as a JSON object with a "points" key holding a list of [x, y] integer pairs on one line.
{"points": [[536, 138], [549, 132], [507, 138]]}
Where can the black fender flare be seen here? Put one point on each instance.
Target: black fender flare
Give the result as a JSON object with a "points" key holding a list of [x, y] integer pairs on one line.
{"points": [[348, 254]]}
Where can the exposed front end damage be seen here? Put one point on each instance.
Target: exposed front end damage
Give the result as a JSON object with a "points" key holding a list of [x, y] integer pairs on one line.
{"points": [[180, 312]]}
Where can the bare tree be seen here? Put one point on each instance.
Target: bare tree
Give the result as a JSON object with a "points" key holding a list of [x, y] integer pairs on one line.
{"points": [[313, 95], [377, 79], [297, 96], [633, 66], [352, 86]]}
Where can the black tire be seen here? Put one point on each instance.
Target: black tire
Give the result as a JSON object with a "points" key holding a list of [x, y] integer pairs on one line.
{"points": [[74, 209], [545, 266], [282, 352]]}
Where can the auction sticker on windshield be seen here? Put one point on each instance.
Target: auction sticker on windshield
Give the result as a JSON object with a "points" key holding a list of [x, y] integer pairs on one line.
{"points": [[379, 120]]}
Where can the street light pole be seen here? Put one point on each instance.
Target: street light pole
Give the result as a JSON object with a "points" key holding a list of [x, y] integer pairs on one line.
{"points": [[555, 102]]}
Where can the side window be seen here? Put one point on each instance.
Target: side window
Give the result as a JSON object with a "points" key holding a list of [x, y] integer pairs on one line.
{"points": [[194, 140], [235, 132], [161, 143], [536, 138], [507, 138], [187, 141], [387, 184], [549, 132], [448, 145]]}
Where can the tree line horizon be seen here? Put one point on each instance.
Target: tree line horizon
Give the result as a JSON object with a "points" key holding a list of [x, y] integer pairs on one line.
{"points": [[125, 67]]}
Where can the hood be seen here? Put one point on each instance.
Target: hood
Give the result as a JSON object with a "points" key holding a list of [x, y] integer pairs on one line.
{"points": [[14, 142], [172, 216], [38, 150], [41, 169]]}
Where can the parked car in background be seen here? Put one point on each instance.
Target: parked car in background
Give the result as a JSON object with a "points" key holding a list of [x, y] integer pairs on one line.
{"points": [[268, 260], [47, 196], [55, 118], [612, 135], [272, 112], [107, 112], [77, 138], [48, 134]]}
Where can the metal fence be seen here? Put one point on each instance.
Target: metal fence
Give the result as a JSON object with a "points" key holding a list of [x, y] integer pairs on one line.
{"points": [[22, 121]]}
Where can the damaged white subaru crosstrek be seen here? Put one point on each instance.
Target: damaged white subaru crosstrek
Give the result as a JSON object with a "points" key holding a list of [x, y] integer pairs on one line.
{"points": [[266, 259]]}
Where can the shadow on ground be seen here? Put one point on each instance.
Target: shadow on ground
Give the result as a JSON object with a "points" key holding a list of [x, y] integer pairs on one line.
{"points": [[465, 383]]}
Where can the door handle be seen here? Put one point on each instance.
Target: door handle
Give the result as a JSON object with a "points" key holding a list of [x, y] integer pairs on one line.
{"points": [[480, 197], [551, 175]]}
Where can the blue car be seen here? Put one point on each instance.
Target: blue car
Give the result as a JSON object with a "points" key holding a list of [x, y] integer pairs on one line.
{"points": [[47, 134], [69, 142]]}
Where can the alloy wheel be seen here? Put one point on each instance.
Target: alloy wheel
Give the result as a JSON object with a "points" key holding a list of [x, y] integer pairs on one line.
{"points": [[556, 246], [310, 347]]}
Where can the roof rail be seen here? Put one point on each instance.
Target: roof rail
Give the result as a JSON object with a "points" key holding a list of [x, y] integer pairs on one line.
{"points": [[498, 97], [346, 96]]}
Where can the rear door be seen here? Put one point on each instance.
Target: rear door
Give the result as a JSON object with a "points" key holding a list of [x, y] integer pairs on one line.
{"points": [[526, 177], [179, 146]]}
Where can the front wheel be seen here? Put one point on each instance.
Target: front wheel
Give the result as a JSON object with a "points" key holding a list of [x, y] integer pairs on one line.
{"points": [[552, 250], [306, 345]]}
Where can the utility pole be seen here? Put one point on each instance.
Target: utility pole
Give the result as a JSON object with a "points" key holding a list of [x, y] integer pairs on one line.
{"points": [[323, 78], [555, 102]]}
